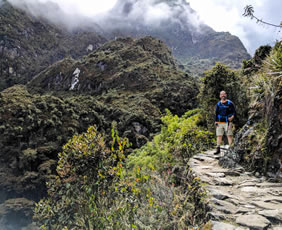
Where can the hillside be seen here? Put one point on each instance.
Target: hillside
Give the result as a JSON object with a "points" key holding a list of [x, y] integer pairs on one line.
{"points": [[155, 186], [98, 134], [128, 81], [127, 68], [28, 45]]}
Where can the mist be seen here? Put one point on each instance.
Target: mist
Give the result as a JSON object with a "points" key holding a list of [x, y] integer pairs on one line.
{"points": [[112, 14]]}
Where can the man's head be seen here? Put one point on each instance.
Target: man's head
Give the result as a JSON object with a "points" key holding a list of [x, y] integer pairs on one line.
{"points": [[223, 95]]}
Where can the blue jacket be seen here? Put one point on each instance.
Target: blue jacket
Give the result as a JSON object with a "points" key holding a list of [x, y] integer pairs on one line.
{"points": [[224, 111]]}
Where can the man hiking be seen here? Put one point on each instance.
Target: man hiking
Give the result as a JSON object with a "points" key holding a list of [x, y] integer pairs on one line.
{"points": [[224, 115]]}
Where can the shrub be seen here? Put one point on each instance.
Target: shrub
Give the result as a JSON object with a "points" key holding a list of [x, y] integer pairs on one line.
{"points": [[89, 191], [97, 187], [180, 138]]}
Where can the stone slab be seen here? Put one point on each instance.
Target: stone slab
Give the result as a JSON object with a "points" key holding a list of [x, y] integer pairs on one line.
{"points": [[267, 205], [223, 226], [215, 174], [222, 181], [218, 194], [255, 222], [272, 214]]}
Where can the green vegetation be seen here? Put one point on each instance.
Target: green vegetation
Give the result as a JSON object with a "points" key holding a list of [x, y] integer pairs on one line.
{"points": [[253, 65], [134, 92], [180, 138], [100, 180], [34, 128], [99, 187], [89, 191]]}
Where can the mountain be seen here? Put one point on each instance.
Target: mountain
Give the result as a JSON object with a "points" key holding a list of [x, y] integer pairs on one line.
{"points": [[29, 44], [191, 41]]}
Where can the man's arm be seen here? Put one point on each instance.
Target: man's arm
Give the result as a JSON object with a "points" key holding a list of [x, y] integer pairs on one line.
{"points": [[216, 113], [232, 112]]}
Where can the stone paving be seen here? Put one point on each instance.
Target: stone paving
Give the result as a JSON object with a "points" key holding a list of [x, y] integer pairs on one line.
{"points": [[238, 200]]}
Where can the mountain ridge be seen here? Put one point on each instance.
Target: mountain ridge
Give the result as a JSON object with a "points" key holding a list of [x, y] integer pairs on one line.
{"points": [[41, 43]]}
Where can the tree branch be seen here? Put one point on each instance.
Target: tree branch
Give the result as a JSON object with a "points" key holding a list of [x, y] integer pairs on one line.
{"points": [[249, 12]]}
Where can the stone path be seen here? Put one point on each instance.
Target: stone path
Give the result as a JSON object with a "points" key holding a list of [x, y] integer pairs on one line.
{"points": [[238, 200]]}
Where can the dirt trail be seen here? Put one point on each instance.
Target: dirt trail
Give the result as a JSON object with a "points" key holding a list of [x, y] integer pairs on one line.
{"points": [[238, 200]]}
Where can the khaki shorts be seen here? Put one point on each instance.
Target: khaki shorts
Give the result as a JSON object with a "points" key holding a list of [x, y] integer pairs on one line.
{"points": [[224, 128]]}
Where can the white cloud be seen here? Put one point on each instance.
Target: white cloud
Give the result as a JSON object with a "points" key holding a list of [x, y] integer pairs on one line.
{"points": [[221, 15], [88, 8], [224, 15]]}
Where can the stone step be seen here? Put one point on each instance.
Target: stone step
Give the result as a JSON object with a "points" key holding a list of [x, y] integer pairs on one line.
{"points": [[237, 199]]}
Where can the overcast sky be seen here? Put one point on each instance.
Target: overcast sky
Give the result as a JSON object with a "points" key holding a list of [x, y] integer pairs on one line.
{"points": [[221, 15], [226, 15]]}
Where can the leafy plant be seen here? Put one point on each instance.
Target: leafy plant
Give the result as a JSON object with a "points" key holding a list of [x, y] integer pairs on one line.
{"points": [[97, 187]]}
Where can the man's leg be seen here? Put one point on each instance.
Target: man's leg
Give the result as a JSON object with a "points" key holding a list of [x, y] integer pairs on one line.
{"points": [[219, 134], [219, 139], [230, 134], [230, 140]]}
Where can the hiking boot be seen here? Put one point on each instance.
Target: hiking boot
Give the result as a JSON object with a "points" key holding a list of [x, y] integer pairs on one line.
{"points": [[217, 151]]}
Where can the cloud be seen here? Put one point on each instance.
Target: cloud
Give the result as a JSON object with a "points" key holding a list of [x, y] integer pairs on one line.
{"points": [[58, 12], [110, 14], [224, 15]]}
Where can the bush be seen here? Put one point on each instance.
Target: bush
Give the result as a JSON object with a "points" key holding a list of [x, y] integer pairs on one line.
{"points": [[98, 188], [180, 138], [178, 194], [253, 65], [84, 193]]}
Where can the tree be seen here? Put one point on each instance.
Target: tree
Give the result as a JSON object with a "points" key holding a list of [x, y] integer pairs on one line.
{"points": [[249, 12]]}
